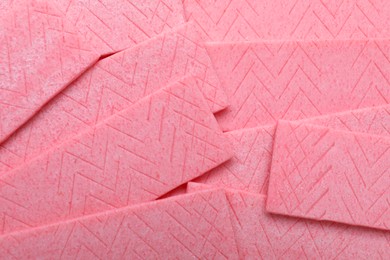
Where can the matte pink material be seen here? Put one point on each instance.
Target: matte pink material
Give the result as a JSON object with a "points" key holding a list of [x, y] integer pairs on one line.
{"points": [[238, 20], [260, 235], [40, 54], [182, 189], [196, 187], [114, 25], [267, 236], [134, 156], [249, 169], [191, 226], [324, 174], [112, 85], [373, 120], [294, 80]]}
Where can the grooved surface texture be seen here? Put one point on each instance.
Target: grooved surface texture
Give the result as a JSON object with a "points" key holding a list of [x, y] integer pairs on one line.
{"points": [[323, 174], [261, 235], [114, 25], [248, 20], [294, 80], [111, 86], [40, 55], [134, 156], [191, 226], [249, 168]]}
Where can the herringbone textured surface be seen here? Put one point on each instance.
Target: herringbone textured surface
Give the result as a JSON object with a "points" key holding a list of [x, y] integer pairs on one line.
{"points": [[260, 235], [111, 86], [329, 175], [249, 169], [114, 25], [161, 230], [238, 20], [293, 80], [40, 54], [134, 156]]}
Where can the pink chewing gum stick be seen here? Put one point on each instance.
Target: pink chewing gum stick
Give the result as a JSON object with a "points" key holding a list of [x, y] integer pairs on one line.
{"points": [[267, 81], [111, 85], [261, 235], [243, 20], [114, 25], [325, 174], [191, 226], [40, 54], [136, 155], [249, 168]]}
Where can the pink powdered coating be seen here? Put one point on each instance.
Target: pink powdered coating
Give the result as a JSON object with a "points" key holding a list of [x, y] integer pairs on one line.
{"points": [[261, 235], [134, 156], [268, 81], [324, 174], [111, 86], [191, 226], [40, 55], [249, 169], [114, 25], [246, 20]]}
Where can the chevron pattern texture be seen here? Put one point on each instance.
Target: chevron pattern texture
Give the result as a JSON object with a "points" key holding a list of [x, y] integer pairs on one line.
{"points": [[111, 86], [249, 169], [320, 173], [195, 129], [181, 222], [122, 161], [246, 20], [373, 120], [266, 236], [114, 25], [35, 66], [294, 80]]}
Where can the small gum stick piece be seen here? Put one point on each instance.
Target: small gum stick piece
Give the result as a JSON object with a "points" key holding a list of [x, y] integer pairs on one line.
{"points": [[136, 155], [40, 55], [249, 168], [189, 226], [324, 174], [268, 81], [112, 85], [243, 20]]}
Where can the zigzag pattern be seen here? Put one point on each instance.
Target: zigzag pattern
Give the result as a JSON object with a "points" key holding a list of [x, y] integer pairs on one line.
{"points": [[192, 226], [40, 54], [279, 237], [114, 25], [111, 86], [323, 174], [373, 120], [124, 160], [247, 20], [249, 169], [293, 80]]}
